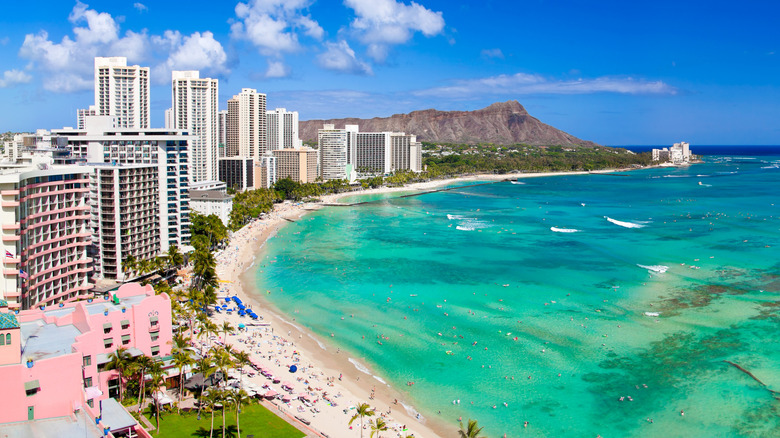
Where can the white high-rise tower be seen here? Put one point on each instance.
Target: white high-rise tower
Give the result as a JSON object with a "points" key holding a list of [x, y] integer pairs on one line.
{"points": [[122, 91], [282, 129], [194, 109]]}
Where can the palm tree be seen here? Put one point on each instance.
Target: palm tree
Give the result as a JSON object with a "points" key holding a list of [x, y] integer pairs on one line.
{"points": [[226, 328], [377, 426], [181, 359], [205, 367], [212, 398], [239, 397], [119, 360], [472, 431], [143, 266], [204, 269], [242, 359], [207, 329], [129, 264], [223, 362], [175, 258], [156, 380], [179, 343], [363, 410], [141, 364]]}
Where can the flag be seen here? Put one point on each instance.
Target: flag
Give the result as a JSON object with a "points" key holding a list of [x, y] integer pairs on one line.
{"points": [[8, 254], [23, 274]]}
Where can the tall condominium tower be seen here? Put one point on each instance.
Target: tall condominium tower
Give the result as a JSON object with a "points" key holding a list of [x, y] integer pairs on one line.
{"points": [[122, 91], [246, 135], [337, 151], [282, 129], [195, 104]]}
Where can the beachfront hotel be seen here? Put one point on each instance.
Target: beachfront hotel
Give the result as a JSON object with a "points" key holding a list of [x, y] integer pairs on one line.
{"points": [[246, 125], [282, 129], [195, 102], [348, 153], [237, 172], [122, 91], [53, 360], [102, 143], [45, 235], [298, 164], [208, 202]]}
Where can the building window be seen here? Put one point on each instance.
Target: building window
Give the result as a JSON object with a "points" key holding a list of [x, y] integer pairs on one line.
{"points": [[87, 361], [2, 340], [108, 343], [155, 336], [8, 339], [87, 382], [155, 351], [125, 339], [31, 387], [91, 403], [125, 324]]}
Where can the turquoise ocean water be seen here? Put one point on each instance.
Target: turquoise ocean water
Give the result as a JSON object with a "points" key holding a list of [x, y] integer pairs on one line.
{"points": [[469, 294]]}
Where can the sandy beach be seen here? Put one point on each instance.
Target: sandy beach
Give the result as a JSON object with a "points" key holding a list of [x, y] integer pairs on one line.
{"points": [[325, 376]]}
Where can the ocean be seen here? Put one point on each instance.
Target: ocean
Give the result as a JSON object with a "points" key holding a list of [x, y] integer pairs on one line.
{"points": [[585, 305]]}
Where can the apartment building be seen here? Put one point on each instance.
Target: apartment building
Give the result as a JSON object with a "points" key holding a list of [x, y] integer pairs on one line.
{"points": [[122, 91], [237, 172], [336, 148], [82, 114], [266, 171], [246, 125], [282, 129], [194, 107], [45, 235], [299, 164]]}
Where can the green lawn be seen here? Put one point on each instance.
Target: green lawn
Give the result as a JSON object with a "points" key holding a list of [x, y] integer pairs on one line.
{"points": [[255, 420]]}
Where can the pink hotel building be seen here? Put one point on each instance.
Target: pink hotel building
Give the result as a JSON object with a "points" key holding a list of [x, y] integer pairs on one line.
{"points": [[52, 360]]}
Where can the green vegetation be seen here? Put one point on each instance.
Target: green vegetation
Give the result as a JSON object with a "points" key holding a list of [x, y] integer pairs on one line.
{"points": [[250, 205], [207, 231], [254, 419], [454, 159]]}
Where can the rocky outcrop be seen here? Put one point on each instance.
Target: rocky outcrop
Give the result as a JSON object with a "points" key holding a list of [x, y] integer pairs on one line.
{"points": [[500, 123]]}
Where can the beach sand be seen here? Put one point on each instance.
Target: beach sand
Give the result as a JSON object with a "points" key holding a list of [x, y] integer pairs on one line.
{"points": [[323, 370]]}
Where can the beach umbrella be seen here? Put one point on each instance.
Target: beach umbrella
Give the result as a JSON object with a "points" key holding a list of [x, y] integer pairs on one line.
{"points": [[241, 325], [287, 384], [293, 368], [270, 394]]}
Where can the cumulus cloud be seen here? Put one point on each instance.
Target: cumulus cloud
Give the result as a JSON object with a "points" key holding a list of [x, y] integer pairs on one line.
{"points": [[340, 57], [277, 69], [195, 52], [383, 23], [140, 7], [522, 83], [492, 53], [273, 25], [68, 64], [14, 77]]}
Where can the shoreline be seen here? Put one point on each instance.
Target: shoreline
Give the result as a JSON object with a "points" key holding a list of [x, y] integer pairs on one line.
{"points": [[234, 268]]}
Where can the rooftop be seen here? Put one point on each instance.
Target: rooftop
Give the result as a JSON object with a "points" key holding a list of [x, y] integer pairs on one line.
{"points": [[42, 341], [8, 320], [208, 195], [77, 426]]}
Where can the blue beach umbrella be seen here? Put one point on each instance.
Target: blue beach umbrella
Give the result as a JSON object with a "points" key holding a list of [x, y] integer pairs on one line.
{"points": [[293, 368]]}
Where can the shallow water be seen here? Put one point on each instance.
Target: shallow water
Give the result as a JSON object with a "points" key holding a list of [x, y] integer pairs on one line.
{"points": [[471, 295]]}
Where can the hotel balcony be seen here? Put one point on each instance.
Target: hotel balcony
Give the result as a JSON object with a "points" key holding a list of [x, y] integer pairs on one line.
{"points": [[11, 260], [11, 238], [9, 272], [14, 226], [9, 192], [13, 293], [10, 203]]}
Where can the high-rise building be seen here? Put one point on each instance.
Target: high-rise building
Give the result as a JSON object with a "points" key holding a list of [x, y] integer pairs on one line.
{"points": [[221, 132], [125, 216], [406, 152], [299, 164], [265, 171], [81, 114], [282, 129], [246, 136], [372, 153], [122, 91], [336, 148], [45, 234], [237, 172], [166, 149], [168, 118], [195, 103]]}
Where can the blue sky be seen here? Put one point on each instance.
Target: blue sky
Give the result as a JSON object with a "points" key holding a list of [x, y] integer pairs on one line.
{"points": [[614, 72]]}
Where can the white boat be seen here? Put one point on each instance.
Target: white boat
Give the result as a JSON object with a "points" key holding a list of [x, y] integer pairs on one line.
{"points": [[564, 230], [652, 314], [517, 182]]}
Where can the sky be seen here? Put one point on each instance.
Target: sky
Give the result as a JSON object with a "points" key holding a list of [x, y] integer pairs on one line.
{"points": [[613, 72]]}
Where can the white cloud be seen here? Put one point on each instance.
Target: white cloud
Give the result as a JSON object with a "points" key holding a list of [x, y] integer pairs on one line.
{"points": [[277, 69], [67, 66], [273, 25], [14, 77], [522, 83], [195, 52], [492, 53], [140, 7], [340, 57], [383, 23]]}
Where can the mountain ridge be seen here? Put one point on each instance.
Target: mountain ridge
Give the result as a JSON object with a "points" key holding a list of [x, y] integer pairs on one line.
{"points": [[499, 123]]}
